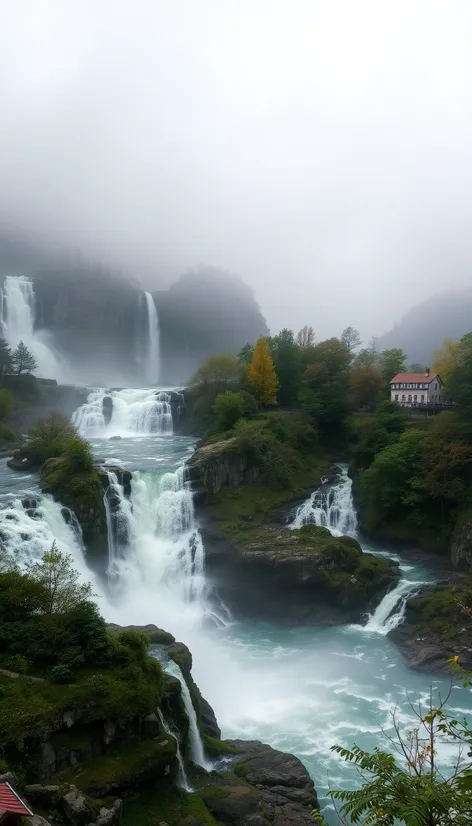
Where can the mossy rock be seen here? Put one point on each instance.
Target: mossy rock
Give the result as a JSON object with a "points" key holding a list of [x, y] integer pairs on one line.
{"points": [[182, 656], [132, 765], [169, 806]]}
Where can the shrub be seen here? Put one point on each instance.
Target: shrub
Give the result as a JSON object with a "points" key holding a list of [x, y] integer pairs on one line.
{"points": [[17, 663], [61, 673], [228, 408], [6, 403], [48, 438]]}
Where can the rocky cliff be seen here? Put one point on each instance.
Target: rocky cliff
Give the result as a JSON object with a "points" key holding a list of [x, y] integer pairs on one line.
{"points": [[93, 757]]}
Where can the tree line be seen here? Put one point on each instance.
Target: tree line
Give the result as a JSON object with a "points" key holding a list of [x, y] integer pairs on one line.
{"points": [[18, 361]]}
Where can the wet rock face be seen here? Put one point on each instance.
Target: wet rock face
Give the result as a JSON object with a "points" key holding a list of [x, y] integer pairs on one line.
{"points": [[264, 786]]}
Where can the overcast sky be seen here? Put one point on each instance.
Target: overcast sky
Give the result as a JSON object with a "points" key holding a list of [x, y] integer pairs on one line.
{"points": [[322, 149]]}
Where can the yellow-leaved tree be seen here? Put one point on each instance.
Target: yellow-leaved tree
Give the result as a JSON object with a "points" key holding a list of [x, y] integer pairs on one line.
{"points": [[261, 374], [445, 359]]}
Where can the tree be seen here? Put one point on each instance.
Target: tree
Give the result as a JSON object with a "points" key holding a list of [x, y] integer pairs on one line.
{"points": [[366, 358], [228, 408], [261, 374], [245, 354], [364, 385], [324, 394], [412, 790], [47, 438], [445, 360], [6, 365], [23, 360], [6, 404], [442, 471], [56, 574], [392, 362], [351, 338], [288, 365], [306, 337], [459, 384], [416, 367], [216, 375]]}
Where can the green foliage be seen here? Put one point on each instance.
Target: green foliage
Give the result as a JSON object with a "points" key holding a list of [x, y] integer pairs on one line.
{"points": [[412, 791], [460, 378], [6, 403], [23, 360], [228, 408], [288, 365], [170, 806], [351, 338], [245, 354], [324, 394], [48, 438], [218, 374], [373, 433], [391, 362], [6, 365], [365, 385]]}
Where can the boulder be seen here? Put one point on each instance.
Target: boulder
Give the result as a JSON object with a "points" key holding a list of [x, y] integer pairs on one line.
{"points": [[77, 807], [263, 786], [304, 576], [109, 816]]}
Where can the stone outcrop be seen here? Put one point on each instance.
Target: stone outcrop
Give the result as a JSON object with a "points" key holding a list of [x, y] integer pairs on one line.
{"points": [[436, 628], [461, 545], [262, 786], [296, 576], [219, 466]]}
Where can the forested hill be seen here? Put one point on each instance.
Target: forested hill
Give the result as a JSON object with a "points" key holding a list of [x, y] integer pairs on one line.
{"points": [[426, 325]]}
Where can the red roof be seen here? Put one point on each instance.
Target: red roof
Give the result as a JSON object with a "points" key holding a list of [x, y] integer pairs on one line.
{"points": [[413, 377], [11, 803]]}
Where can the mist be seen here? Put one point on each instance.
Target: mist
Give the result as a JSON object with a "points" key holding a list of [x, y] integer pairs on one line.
{"points": [[321, 150]]}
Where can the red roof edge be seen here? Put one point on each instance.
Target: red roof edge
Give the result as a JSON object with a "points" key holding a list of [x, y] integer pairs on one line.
{"points": [[11, 802]]}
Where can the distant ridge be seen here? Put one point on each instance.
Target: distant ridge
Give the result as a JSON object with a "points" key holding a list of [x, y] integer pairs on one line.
{"points": [[426, 325]]}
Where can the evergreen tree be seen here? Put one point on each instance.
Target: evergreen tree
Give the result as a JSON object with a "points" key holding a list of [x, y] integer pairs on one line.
{"points": [[5, 358], [261, 374], [288, 365], [23, 360], [392, 362]]}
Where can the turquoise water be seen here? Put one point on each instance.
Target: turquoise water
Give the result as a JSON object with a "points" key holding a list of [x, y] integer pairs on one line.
{"points": [[301, 690]]}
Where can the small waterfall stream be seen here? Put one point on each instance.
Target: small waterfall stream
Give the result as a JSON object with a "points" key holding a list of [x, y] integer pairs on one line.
{"points": [[197, 754], [333, 508], [182, 780], [152, 356]]}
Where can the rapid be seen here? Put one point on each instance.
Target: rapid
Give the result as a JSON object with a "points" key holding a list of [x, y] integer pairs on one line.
{"points": [[299, 689]]}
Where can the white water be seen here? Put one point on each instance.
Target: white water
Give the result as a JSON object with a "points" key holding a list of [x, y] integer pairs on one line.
{"points": [[182, 781], [153, 357], [331, 508], [197, 755], [119, 516], [18, 318], [301, 690], [133, 413]]}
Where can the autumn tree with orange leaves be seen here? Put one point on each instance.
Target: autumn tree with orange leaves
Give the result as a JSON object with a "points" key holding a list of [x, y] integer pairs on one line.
{"points": [[261, 375]]}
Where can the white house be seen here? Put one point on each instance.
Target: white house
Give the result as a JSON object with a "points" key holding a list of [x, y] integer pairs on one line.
{"points": [[412, 389]]}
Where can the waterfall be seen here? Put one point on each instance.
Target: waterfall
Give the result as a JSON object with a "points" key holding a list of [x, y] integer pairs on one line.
{"points": [[18, 318], [153, 357], [332, 508], [125, 412], [182, 781], [120, 525], [30, 525], [197, 754]]}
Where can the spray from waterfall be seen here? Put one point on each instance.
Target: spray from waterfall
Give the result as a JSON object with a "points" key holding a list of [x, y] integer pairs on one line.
{"points": [[182, 781], [152, 356], [18, 323], [125, 413]]}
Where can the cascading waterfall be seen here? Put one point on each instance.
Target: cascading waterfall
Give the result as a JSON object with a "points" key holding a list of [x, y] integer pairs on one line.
{"points": [[197, 754], [332, 508], [120, 523], [29, 526], [153, 356], [182, 780], [18, 318], [125, 413], [155, 540]]}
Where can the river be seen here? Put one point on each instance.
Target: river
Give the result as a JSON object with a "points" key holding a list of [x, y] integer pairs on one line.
{"points": [[301, 690]]}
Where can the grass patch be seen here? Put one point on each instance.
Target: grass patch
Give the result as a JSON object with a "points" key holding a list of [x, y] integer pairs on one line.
{"points": [[169, 806], [441, 610], [215, 747], [135, 763]]}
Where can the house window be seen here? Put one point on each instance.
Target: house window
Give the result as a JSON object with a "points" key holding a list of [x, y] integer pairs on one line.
{"points": [[409, 397], [435, 386], [415, 398], [422, 398], [403, 397], [396, 397]]}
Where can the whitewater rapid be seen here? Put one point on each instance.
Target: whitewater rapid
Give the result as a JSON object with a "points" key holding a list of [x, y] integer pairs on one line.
{"points": [[125, 412], [299, 689]]}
